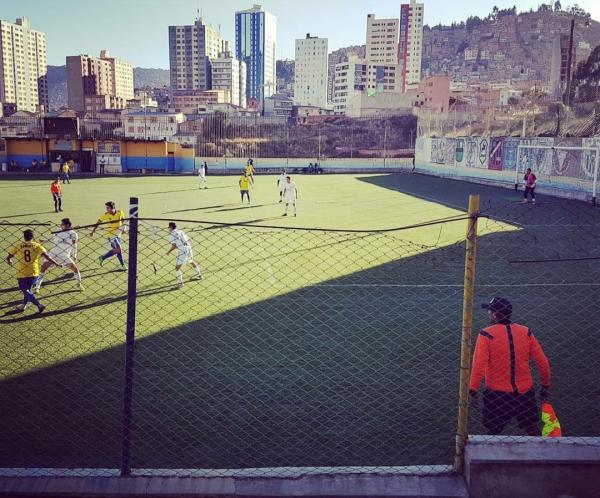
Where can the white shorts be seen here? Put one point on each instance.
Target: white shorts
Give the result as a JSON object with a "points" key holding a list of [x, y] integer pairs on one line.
{"points": [[61, 257], [290, 200], [184, 256]]}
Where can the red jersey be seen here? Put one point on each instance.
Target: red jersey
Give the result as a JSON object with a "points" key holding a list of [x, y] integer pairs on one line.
{"points": [[55, 188]]}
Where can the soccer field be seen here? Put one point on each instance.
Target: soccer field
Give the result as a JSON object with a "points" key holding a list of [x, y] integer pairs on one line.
{"points": [[307, 343]]}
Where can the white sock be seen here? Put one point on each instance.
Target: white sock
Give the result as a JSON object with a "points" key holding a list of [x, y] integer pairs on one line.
{"points": [[286, 208], [38, 282], [198, 271], [78, 277], [179, 274]]}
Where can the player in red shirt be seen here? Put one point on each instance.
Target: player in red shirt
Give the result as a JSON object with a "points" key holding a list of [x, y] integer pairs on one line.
{"points": [[56, 191]]}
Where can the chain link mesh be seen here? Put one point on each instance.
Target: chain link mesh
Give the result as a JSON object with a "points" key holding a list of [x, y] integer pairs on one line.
{"points": [[299, 347], [548, 267]]}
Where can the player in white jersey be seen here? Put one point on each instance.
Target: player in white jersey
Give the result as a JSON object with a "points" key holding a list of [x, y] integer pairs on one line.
{"points": [[281, 181], [64, 252], [291, 194], [181, 242], [202, 176]]}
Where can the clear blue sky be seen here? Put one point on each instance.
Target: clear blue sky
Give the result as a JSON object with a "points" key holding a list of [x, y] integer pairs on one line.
{"points": [[136, 30]]}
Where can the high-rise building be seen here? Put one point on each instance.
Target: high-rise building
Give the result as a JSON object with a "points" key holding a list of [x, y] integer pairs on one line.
{"points": [[255, 38], [385, 74], [349, 82], [229, 74], [23, 79], [382, 40], [311, 71], [410, 46], [97, 83], [191, 52]]}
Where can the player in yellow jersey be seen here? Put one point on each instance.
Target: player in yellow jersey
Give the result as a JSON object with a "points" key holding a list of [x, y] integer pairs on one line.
{"points": [[28, 254], [249, 170], [113, 221], [245, 182]]}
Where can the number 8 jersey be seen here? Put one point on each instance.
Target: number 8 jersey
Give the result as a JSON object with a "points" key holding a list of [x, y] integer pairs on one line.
{"points": [[27, 254]]}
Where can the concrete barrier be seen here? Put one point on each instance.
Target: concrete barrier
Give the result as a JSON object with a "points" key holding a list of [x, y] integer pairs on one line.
{"points": [[495, 467]]}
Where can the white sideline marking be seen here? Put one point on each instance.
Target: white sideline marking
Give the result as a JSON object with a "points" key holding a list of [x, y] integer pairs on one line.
{"points": [[566, 284]]}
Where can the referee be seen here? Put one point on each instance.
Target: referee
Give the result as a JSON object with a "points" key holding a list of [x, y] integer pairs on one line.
{"points": [[502, 355]]}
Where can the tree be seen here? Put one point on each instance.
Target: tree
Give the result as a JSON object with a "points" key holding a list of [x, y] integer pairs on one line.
{"points": [[557, 6], [577, 11]]}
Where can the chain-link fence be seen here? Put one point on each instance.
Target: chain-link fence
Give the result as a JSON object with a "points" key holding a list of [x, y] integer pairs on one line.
{"points": [[221, 135], [533, 119], [298, 347], [547, 265]]}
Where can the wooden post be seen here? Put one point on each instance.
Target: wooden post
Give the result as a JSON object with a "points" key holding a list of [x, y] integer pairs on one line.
{"points": [[467, 325]]}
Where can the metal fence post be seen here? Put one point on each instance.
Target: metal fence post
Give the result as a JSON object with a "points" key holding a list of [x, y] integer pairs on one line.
{"points": [[595, 184], [130, 338], [517, 167], [467, 324]]}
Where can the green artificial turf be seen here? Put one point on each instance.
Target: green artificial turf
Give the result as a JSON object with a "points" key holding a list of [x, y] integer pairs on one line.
{"points": [[300, 347]]}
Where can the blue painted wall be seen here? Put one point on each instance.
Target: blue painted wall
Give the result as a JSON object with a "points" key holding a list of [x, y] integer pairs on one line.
{"points": [[24, 160]]}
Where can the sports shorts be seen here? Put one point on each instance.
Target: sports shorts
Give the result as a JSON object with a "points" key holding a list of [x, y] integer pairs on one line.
{"points": [[184, 256], [115, 242], [63, 258]]}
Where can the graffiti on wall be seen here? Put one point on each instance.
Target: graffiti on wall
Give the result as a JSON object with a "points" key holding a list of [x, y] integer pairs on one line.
{"points": [[496, 153], [443, 150], [588, 161], [566, 162], [535, 153], [511, 146]]}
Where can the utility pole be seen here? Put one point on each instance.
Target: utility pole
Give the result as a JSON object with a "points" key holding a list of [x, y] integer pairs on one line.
{"points": [[569, 64], [384, 143]]}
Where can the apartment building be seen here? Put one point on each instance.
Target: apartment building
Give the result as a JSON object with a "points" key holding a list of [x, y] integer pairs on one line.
{"points": [[192, 49], [23, 66], [229, 74], [311, 71], [105, 77], [410, 47]]}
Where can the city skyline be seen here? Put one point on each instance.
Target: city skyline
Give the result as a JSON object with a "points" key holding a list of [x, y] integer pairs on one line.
{"points": [[140, 35]]}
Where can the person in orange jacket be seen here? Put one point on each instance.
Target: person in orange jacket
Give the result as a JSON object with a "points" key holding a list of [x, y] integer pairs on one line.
{"points": [[56, 191], [502, 355]]}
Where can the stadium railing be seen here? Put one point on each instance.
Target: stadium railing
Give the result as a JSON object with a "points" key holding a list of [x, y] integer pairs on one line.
{"points": [[301, 350]]}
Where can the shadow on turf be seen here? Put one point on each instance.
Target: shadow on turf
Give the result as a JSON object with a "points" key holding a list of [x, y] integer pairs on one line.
{"points": [[2, 217], [244, 206], [500, 203], [66, 277], [197, 209], [80, 307], [184, 190], [335, 374]]}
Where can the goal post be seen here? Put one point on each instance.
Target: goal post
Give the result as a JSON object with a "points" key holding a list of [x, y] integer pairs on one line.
{"points": [[552, 149]]}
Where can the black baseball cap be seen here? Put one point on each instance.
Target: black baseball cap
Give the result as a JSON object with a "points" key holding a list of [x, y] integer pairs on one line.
{"points": [[498, 305]]}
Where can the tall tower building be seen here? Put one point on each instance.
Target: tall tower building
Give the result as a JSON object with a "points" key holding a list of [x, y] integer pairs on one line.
{"points": [[255, 38], [311, 71], [97, 83], [410, 47], [23, 70], [382, 40], [191, 52]]}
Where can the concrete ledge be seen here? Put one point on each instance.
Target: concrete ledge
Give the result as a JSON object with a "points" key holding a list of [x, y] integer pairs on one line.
{"points": [[309, 482], [509, 467]]}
